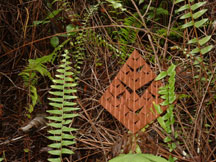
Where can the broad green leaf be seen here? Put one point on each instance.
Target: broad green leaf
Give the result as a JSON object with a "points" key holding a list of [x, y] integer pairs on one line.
{"points": [[70, 84], [56, 105], [195, 40], [171, 69], [172, 98], [163, 92], [56, 93], [164, 103], [58, 131], [138, 158], [206, 49], [200, 23], [1, 159], [66, 122], [185, 7], [69, 97], [67, 142], [66, 151], [54, 41], [195, 50], [162, 75], [178, 1], [185, 16], [162, 123], [55, 138], [56, 99], [54, 159], [66, 129], [55, 118], [59, 81], [54, 152], [197, 5], [204, 40], [68, 109], [55, 145], [54, 111], [69, 115], [67, 103], [55, 125], [157, 108], [187, 25], [199, 13], [67, 136]]}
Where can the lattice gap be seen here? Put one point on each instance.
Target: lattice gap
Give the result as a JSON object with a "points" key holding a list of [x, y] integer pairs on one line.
{"points": [[130, 96]]}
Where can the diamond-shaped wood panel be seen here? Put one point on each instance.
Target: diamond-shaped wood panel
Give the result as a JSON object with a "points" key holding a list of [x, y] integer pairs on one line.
{"points": [[130, 96]]}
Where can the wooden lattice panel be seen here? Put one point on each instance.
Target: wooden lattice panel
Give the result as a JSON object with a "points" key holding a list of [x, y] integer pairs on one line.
{"points": [[130, 96]]}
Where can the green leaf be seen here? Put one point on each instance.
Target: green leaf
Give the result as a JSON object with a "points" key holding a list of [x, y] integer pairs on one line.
{"points": [[195, 40], [58, 131], [67, 136], [67, 143], [54, 159], [197, 5], [185, 16], [53, 14], [138, 158], [162, 123], [204, 40], [167, 139], [67, 103], [116, 4], [187, 25], [200, 23], [141, 1], [55, 118], [158, 108], [54, 111], [55, 138], [199, 13], [195, 50], [163, 92], [185, 7], [69, 115], [55, 145], [66, 151], [66, 129], [206, 49], [55, 125], [171, 69], [162, 75], [54, 152], [178, 1], [54, 41]]}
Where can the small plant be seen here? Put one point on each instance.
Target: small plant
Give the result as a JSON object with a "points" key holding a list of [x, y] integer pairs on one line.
{"points": [[62, 114], [167, 93]]}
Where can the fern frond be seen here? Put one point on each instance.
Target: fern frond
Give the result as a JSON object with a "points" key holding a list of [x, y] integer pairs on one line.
{"points": [[192, 16], [61, 116]]}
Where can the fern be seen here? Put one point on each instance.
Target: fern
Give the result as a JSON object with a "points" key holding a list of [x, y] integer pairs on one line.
{"points": [[61, 116], [30, 74], [193, 16], [167, 93]]}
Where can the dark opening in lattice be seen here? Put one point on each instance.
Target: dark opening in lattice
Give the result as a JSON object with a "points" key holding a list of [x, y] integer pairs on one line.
{"points": [[130, 96]]}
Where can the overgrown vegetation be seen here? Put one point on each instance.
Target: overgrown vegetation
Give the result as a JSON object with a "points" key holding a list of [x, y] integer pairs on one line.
{"points": [[176, 38]]}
